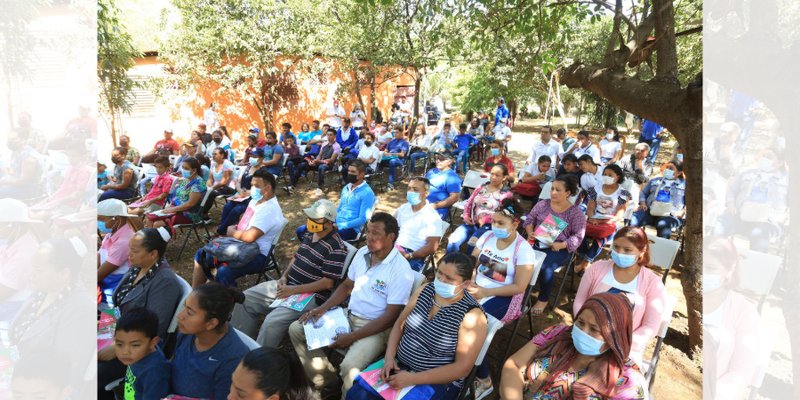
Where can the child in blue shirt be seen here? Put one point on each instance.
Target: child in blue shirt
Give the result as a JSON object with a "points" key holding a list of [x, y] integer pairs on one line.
{"points": [[102, 175], [462, 144], [135, 341]]}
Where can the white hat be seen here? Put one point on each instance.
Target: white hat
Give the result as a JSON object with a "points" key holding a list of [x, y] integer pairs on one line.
{"points": [[113, 208], [13, 210], [323, 208]]}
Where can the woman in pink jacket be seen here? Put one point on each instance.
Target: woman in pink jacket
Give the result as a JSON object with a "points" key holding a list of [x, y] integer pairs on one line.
{"points": [[627, 273]]}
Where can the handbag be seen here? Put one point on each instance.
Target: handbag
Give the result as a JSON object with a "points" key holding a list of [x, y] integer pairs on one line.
{"points": [[234, 253], [662, 205], [600, 231]]}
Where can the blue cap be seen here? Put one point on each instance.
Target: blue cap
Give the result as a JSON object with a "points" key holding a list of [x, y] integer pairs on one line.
{"points": [[256, 152], [255, 130]]}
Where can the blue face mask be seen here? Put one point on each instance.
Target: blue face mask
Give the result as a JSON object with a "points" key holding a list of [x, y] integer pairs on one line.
{"points": [[669, 174], [255, 194], [711, 282], [624, 260], [586, 344], [444, 290], [679, 156], [186, 173], [501, 233], [101, 226], [413, 198], [495, 152], [253, 161]]}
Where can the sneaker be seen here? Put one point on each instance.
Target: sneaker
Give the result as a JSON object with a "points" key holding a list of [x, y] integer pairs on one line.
{"points": [[389, 187], [483, 389], [318, 192], [286, 189], [291, 189]]}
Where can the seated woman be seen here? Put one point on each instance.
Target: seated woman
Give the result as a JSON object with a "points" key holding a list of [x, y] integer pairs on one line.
{"points": [[559, 237], [155, 199], [208, 349], [118, 228], [498, 156], [420, 144], [533, 179], [184, 199], [662, 202], [627, 273], [237, 204], [588, 360], [219, 181], [607, 204], [268, 373], [437, 337], [149, 283], [480, 208], [72, 188], [504, 268], [610, 147]]}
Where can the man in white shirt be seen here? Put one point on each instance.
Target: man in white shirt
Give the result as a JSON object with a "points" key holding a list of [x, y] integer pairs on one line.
{"points": [[335, 113], [584, 145], [379, 283], [592, 172], [546, 147], [261, 223], [420, 225], [502, 132]]}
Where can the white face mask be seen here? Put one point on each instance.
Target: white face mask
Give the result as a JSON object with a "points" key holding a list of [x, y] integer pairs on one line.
{"points": [[766, 165], [610, 136], [608, 180]]}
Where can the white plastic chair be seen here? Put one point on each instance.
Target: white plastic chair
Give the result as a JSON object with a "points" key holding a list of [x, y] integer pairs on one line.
{"points": [[494, 325], [662, 253], [272, 263], [247, 340], [649, 366], [538, 260], [756, 273], [430, 262]]}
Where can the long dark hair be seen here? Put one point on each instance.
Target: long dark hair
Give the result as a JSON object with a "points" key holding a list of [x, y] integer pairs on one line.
{"points": [[217, 301], [278, 373]]}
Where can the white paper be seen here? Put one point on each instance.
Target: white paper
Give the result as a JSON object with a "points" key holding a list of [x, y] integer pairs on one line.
{"points": [[320, 333]]}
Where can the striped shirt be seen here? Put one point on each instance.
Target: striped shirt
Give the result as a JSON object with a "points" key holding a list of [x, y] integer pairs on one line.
{"points": [[431, 343], [314, 261]]}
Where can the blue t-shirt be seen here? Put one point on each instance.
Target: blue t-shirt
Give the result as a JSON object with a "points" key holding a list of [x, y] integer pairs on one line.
{"points": [[291, 135], [396, 146], [306, 136], [148, 378], [354, 206], [463, 142], [649, 130], [443, 183], [269, 152], [206, 374]]}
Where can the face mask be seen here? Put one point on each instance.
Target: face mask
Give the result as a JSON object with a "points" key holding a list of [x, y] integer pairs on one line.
{"points": [[711, 282], [495, 152], [101, 226], [586, 344], [609, 136], [351, 178], [413, 198], [765, 165], [253, 161], [500, 233], [608, 180], [679, 157], [367, 143], [217, 140], [186, 173], [669, 174], [255, 194], [444, 290], [624, 260], [314, 227]]}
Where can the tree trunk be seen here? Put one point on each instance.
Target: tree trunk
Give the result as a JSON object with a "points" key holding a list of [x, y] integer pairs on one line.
{"points": [[667, 60], [357, 87], [513, 111], [373, 105], [417, 84], [691, 140]]}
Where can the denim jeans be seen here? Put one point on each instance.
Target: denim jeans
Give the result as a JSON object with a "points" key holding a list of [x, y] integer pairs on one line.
{"points": [[231, 213], [227, 276], [664, 225], [552, 260], [462, 234], [416, 156]]}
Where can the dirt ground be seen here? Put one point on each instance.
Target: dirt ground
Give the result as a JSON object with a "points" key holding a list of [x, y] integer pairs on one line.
{"points": [[678, 376]]}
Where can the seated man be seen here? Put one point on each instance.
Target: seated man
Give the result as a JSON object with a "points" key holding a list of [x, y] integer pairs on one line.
{"points": [[260, 223], [273, 154], [445, 185], [324, 161], [462, 144], [420, 225], [356, 202], [347, 137], [379, 283], [395, 153], [165, 147], [315, 268], [123, 182], [368, 153]]}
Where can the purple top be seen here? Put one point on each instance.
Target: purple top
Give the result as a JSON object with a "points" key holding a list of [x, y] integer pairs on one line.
{"points": [[573, 234]]}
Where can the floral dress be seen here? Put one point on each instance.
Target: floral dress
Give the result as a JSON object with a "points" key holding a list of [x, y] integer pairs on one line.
{"points": [[180, 195], [630, 386]]}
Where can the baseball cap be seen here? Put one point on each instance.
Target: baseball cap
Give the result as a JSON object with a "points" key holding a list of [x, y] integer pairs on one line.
{"points": [[13, 210], [256, 152], [255, 130], [113, 208], [168, 130], [323, 208]]}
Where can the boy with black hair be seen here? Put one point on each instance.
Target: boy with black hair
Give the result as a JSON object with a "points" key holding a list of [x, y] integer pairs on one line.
{"points": [[135, 340]]}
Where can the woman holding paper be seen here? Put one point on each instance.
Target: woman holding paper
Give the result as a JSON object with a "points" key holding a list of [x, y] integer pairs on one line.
{"points": [[556, 227], [184, 199], [435, 341], [237, 204]]}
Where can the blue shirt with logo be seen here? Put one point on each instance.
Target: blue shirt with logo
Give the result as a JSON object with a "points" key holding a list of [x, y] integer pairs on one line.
{"points": [[206, 374]]}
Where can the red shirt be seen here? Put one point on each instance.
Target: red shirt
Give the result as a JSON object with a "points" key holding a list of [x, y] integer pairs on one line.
{"points": [[487, 166], [170, 145]]}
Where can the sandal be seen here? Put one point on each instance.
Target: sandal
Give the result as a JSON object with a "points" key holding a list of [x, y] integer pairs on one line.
{"points": [[537, 311]]}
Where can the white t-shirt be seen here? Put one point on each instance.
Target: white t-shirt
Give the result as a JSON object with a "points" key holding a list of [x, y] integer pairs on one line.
{"points": [[501, 131], [592, 150], [533, 169], [606, 204], [268, 218], [496, 268], [416, 228], [370, 152], [357, 118], [589, 180], [609, 148], [385, 137], [422, 141], [611, 284], [389, 282], [336, 121], [218, 174], [552, 149]]}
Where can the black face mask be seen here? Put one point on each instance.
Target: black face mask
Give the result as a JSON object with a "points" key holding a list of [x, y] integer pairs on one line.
{"points": [[218, 140], [351, 178], [368, 143]]}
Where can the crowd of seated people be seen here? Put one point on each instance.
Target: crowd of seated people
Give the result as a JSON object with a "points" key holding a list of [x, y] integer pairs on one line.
{"points": [[423, 334]]}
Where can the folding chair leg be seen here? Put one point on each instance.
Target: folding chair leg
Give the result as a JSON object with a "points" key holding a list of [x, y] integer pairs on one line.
{"points": [[511, 340], [183, 246], [467, 387], [556, 299]]}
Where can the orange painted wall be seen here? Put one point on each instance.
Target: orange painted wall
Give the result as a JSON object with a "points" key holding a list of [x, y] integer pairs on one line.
{"points": [[238, 115]]}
